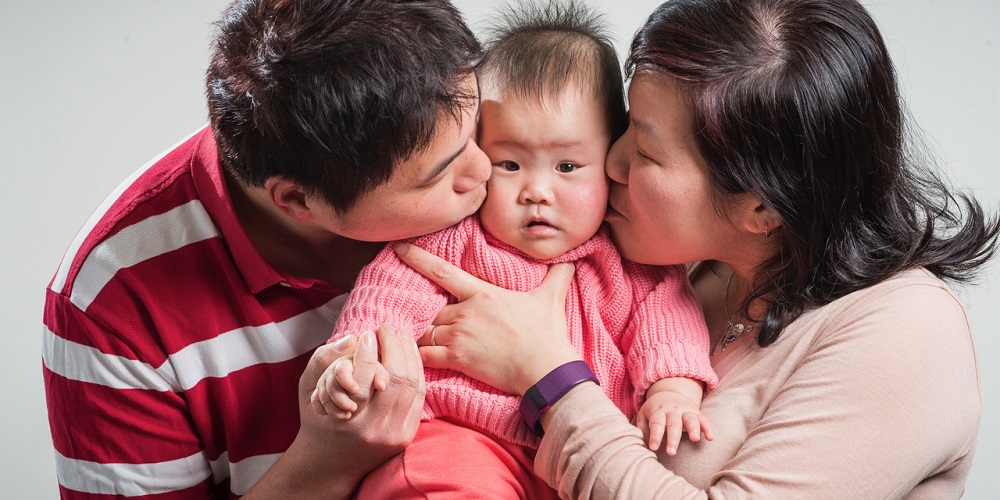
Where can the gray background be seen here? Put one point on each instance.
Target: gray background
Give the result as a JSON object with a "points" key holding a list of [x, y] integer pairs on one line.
{"points": [[91, 90]]}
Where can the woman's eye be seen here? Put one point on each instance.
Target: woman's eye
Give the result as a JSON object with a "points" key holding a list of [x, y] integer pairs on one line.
{"points": [[509, 166], [566, 167]]}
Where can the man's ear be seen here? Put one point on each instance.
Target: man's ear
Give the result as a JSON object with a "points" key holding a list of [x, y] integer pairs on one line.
{"points": [[289, 198], [754, 217]]}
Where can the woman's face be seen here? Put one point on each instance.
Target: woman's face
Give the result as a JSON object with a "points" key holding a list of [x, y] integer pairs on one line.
{"points": [[660, 207]]}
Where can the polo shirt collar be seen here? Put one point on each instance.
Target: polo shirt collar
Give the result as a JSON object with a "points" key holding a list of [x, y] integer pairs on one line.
{"points": [[206, 170]]}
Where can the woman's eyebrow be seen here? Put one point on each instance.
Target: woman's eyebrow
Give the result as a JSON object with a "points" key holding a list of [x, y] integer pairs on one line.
{"points": [[644, 127]]}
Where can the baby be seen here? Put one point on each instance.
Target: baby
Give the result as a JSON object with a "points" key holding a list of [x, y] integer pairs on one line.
{"points": [[552, 103]]}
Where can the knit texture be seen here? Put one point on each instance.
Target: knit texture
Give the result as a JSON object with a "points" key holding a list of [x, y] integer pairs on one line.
{"points": [[633, 324]]}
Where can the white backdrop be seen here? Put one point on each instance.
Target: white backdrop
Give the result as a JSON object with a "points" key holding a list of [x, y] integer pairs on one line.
{"points": [[91, 90]]}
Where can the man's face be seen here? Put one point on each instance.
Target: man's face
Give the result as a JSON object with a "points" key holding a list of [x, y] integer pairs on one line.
{"points": [[435, 188]]}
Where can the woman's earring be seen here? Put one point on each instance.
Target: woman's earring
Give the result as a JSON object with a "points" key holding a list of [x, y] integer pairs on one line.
{"points": [[767, 230]]}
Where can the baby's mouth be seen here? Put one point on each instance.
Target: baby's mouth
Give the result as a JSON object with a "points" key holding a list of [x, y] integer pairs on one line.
{"points": [[539, 227]]}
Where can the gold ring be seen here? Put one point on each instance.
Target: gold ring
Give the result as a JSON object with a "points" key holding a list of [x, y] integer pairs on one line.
{"points": [[433, 340]]}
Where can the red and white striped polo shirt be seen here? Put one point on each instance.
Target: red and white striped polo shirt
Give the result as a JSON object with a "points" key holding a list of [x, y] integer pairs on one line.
{"points": [[172, 350]]}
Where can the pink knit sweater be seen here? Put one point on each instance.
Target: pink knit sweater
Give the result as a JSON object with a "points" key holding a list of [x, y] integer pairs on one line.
{"points": [[633, 324]]}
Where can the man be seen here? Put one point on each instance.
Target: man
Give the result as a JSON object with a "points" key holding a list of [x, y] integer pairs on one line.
{"points": [[181, 326]]}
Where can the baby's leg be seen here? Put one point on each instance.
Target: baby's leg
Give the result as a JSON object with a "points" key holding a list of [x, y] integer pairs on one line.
{"points": [[447, 460]]}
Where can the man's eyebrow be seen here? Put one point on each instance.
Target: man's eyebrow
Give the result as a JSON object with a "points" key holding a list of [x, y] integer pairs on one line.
{"points": [[447, 161], [443, 165]]}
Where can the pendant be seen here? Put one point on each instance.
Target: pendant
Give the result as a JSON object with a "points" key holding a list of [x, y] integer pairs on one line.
{"points": [[732, 332]]}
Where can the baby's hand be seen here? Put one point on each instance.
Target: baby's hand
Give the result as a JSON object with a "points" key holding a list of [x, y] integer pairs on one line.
{"points": [[336, 387], [671, 413]]}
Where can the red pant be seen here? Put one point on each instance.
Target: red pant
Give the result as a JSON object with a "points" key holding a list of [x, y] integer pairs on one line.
{"points": [[447, 460]]}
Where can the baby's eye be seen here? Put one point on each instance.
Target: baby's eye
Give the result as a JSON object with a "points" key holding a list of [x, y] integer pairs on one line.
{"points": [[509, 166], [566, 167]]}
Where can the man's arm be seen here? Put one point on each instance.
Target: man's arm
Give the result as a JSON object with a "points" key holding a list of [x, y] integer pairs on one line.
{"points": [[330, 456], [119, 420]]}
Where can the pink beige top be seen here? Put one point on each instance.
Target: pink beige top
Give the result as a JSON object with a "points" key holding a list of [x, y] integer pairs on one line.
{"points": [[875, 395]]}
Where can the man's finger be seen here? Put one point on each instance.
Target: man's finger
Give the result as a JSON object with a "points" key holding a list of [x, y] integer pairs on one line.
{"points": [[389, 342], [458, 282], [322, 358], [408, 352], [365, 364]]}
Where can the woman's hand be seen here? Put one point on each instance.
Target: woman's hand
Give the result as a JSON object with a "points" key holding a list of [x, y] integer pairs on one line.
{"points": [[507, 339]]}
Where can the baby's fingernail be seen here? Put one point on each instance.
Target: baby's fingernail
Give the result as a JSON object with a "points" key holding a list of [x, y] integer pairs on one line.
{"points": [[400, 247]]}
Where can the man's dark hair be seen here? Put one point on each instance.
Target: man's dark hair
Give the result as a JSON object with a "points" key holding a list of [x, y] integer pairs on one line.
{"points": [[534, 50], [334, 93], [796, 102]]}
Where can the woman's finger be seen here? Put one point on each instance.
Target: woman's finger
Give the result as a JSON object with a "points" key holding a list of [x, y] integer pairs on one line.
{"points": [[556, 282], [458, 282], [436, 357]]}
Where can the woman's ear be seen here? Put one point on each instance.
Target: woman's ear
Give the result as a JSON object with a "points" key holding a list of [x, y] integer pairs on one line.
{"points": [[754, 217], [289, 198]]}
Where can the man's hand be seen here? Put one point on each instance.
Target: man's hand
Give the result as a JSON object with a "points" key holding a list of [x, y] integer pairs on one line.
{"points": [[330, 456]]}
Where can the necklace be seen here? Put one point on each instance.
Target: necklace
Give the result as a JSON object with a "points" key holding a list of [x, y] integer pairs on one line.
{"points": [[733, 330]]}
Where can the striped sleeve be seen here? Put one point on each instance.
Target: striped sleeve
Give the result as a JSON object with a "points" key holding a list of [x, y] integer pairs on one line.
{"points": [[92, 390], [171, 355]]}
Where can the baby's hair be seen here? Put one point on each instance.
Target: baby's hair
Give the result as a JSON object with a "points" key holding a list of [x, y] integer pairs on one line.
{"points": [[534, 50]]}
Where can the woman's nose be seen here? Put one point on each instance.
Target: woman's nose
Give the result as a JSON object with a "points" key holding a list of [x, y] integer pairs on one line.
{"points": [[617, 163]]}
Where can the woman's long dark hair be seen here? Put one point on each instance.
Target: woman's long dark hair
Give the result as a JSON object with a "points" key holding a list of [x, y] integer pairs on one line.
{"points": [[796, 102]]}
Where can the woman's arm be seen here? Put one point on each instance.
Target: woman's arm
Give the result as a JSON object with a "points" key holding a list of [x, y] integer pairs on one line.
{"points": [[885, 399], [881, 403]]}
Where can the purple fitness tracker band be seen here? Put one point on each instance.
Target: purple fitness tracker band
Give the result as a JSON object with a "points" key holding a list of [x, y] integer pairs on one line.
{"points": [[549, 389]]}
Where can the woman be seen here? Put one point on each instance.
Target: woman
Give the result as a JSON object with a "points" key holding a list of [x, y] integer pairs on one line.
{"points": [[766, 145]]}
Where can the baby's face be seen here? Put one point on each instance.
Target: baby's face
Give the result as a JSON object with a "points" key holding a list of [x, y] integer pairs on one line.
{"points": [[548, 191]]}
